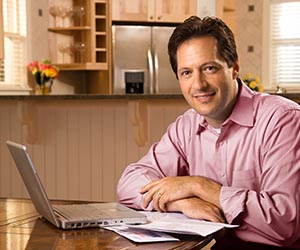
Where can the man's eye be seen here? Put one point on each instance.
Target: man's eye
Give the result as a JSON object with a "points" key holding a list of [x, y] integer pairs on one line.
{"points": [[185, 73], [210, 69]]}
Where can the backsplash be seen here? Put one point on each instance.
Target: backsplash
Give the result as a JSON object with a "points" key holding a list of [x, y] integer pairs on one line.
{"points": [[249, 36]]}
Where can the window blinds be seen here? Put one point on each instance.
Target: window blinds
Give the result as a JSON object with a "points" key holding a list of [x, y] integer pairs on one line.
{"points": [[1, 33], [285, 43], [12, 68]]}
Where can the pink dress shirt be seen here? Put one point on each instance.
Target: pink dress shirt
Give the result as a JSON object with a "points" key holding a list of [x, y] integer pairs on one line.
{"points": [[256, 159]]}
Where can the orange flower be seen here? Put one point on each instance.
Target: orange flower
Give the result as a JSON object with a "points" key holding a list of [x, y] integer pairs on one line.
{"points": [[49, 70], [43, 72]]}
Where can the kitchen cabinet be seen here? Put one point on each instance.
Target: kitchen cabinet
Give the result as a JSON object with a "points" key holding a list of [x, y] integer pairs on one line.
{"points": [[226, 10], [153, 10]]}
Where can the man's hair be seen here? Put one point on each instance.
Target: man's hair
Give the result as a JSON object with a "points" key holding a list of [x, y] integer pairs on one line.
{"points": [[195, 27]]}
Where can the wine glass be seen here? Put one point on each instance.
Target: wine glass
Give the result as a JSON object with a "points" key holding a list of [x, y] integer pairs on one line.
{"points": [[79, 11], [69, 49], [70, 13], [62, 13], [80, 47], [61, 49], [53, 11], [65, 48]]}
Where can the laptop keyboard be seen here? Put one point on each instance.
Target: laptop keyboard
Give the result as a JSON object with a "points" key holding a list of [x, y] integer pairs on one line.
{"points": [[79, 212]]}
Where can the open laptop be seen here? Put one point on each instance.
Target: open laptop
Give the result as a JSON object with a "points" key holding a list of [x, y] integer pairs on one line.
{"points": [[72, 215]]}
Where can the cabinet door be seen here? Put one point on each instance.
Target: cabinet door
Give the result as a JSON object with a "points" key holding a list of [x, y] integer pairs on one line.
{"points": [[175, 10], [130, 10]]}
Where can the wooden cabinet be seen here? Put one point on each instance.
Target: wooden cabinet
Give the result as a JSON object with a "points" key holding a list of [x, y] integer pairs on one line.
{"points": [[226, 10], [153, 10], [79, 34]]}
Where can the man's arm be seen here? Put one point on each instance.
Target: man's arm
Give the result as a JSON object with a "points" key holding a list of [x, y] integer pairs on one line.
{"points": [[165, 158], [197, 208], [270, 213], [170, 189]]}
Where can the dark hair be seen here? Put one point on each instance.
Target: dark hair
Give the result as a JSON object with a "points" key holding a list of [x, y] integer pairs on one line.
{"points": [[194, 27]]}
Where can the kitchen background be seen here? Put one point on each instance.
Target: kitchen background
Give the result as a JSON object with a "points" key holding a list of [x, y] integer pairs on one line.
{"points": [[245, 18], [81, 145]]}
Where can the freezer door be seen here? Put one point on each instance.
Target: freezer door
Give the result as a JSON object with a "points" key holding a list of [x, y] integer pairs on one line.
{"points": [[165, 79], [130, 47]]}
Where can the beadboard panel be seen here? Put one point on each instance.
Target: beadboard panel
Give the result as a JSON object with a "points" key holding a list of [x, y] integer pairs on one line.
{"points": [[80, 148]]}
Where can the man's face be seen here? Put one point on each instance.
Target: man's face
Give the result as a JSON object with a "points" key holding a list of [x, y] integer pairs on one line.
{"points": [[208, 85]]}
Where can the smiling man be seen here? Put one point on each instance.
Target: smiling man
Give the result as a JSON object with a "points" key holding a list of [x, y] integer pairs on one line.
{"points": [[233, 157]]}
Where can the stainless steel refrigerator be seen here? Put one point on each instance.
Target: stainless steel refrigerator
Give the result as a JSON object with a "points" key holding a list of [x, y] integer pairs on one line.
{"points": [[140, 56]]}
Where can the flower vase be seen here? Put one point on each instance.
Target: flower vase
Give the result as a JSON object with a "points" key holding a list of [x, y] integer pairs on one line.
{"points": [[44, 89]]}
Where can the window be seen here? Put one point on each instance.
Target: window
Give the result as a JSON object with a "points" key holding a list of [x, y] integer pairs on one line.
{"points": [[284, 44], [12, 66]]}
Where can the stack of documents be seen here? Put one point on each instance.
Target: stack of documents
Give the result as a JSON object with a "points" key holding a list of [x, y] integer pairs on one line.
{"points": [[161, 223]]}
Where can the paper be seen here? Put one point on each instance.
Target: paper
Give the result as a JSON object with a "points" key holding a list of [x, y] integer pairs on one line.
{"points": [[140, 235], [179, 223], [161, 223]]}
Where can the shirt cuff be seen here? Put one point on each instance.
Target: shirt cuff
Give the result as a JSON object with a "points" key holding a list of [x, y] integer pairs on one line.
{"points": [[232, 201]]}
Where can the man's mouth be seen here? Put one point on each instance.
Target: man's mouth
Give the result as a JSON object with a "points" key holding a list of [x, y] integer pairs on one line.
{"points": [[204, 95]]}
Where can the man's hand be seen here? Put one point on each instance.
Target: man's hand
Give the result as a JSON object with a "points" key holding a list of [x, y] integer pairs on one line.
{"points": [[169, 189], [197, 208], [165, 190]]}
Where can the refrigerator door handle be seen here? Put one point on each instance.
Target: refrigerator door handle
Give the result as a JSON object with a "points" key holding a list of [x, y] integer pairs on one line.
{"points": [[151, 71], [156, 72]]}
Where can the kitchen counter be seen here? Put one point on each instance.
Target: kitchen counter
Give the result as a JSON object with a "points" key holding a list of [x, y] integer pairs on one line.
{"points": [[91, 97], [293, 96], [73, 138]]}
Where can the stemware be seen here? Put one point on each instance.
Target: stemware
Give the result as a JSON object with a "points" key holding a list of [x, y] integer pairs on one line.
{"points": [[62, 13], [70, 13], [66, 48], [62, 50], [80, 47], [79, 11], [53, 11]]}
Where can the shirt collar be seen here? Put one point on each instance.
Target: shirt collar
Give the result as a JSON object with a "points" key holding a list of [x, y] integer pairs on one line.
{"points": [[242, 112]]}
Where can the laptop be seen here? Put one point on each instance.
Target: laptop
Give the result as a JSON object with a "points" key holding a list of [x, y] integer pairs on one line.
{"points": [[69, 216]]}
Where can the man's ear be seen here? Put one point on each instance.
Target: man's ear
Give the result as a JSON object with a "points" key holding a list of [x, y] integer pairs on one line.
{"points": [[235, 70]]}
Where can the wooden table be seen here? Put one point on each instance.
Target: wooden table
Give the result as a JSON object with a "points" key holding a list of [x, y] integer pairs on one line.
{"points": [[22, 228]]}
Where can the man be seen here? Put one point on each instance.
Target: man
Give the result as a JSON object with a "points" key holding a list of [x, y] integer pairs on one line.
{"points": [[233, 157]]}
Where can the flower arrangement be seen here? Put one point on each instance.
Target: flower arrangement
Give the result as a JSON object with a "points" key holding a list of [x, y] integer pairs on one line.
{"points": [[253, 82], [44, 72]]}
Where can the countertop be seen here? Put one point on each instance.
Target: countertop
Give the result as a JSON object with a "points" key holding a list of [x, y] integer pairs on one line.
{"points": [[91, 97], [293, 96]]}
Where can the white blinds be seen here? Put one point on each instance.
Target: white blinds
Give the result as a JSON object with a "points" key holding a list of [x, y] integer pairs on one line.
{"points": [[12, 69], [1, 33], [285, 42]]}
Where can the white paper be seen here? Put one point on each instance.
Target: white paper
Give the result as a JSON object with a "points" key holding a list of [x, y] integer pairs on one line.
{"points": [[141, 236], [179, 223]]}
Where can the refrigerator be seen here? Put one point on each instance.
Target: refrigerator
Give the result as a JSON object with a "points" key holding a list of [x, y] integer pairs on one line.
{"points": [[141, 61]]}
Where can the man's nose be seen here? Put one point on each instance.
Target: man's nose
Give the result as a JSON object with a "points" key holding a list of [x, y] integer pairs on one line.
{"points": [[199, 80]]}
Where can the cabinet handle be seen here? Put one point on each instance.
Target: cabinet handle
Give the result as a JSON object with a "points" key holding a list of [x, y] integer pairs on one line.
{"points": [[151, 17], [159, 17]]}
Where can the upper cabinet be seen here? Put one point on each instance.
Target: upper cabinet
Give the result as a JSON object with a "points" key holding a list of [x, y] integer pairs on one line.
{"points": [[153, 10], [226, 10]]}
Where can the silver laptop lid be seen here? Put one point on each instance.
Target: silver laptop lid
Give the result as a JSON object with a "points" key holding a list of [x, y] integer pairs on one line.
{"points": [[32, 181]]}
